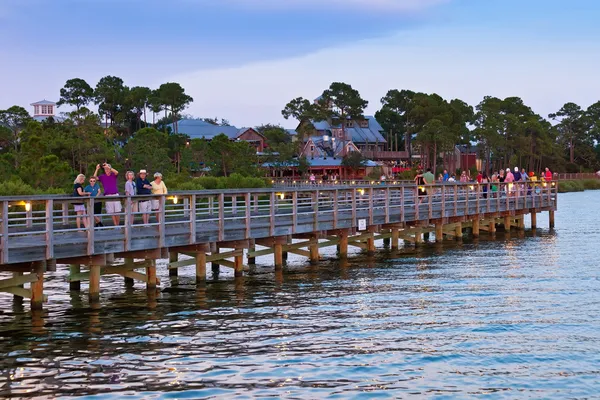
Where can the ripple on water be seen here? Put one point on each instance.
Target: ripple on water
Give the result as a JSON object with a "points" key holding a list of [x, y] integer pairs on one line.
{"points": [[509, 318]]}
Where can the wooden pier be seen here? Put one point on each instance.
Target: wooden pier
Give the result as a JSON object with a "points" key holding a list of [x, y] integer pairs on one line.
{"points": [[224, 228]]}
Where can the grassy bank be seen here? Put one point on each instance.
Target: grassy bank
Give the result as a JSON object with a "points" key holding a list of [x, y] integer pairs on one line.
{"points": [[578, 185]]}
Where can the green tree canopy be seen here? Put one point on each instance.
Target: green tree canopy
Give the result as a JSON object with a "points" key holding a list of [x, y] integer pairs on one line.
{"points": [[76, 92]]}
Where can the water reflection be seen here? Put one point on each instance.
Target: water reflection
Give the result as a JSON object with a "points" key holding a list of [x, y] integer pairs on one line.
{"points": [[515, 317]]}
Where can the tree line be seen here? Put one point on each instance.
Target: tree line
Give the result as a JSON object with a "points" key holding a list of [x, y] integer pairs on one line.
{"points": [[136, 127]]}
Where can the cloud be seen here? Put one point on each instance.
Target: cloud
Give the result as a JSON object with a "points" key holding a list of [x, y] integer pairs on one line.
{"points": [[463, 65]]}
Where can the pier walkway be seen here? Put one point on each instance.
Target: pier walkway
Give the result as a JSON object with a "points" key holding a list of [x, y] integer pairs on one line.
{"points": [[37, 233]]}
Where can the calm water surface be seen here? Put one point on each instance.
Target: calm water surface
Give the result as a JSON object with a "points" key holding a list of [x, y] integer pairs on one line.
{"points": [[512, 318]]}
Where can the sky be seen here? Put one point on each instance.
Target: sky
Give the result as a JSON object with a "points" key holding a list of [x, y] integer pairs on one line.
{"points": [[243, 60]]}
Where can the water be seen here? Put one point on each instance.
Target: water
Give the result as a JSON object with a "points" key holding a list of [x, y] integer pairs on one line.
{"points": [[511, 318]]}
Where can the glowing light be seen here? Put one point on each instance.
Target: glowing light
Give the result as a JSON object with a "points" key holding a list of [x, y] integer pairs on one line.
{"points": [[361, 191], [353, 182], [175, 200], [544, 184], [421, 188], [281, 195], [553, 184], [472, 187], [28, 206]]}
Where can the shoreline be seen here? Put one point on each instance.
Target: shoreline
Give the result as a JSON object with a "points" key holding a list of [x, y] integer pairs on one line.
{"points": [[579, 185]]}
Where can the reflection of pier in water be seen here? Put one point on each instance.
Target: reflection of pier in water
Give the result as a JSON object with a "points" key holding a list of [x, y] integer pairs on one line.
{"points": [[225, 227]]}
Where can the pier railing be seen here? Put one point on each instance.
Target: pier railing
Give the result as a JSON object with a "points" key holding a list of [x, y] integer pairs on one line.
{"points": [[36, 228]]}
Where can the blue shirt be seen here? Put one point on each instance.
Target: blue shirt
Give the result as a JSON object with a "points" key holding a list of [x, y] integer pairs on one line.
{"points": [[139, 184], [446, 177], [94, 190]]}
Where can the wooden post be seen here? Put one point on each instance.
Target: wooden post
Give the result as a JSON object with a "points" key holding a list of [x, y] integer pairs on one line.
{"points": [[476, 227], [4, 243], [395, 238], [458, 231], [173, 257], [73, 270], [533, 220], [551, 218], [129, 282], [251, 260], [343, 245], [214, 264], [493, 226], [507, 223], [238, 265], [314, 250], [200, 267], [278, 253], [94, 285], [37, 287], [151, 274], [439, 232], [50, 229], [521, 223], [418, 237], [371, 244]]}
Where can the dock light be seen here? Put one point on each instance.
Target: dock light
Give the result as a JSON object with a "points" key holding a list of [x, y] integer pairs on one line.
{"points": [[320, 182], [272, 181], [281, 195], [372, 182], [394, 182], [282, 181], [472, 187], [421, 188], [544, 184], [353, 182], [361, 191], [27, 206], [175, 200], [553, 184]]}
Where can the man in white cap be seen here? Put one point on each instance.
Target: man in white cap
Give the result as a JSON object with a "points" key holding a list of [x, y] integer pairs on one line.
{"points": [[517, 175], [144, 188]]}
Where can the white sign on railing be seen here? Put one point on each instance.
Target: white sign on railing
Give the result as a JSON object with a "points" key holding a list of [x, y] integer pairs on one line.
{"points": [[362, 224]]}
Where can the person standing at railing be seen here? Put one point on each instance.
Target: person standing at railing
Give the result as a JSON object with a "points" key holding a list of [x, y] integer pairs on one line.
{"points": [[312, 178], [131, 191], [80, 207], [109, 183], [94, 190], [158, 187], [144, 188], [484, 182], [547, 174], [446, 176]]}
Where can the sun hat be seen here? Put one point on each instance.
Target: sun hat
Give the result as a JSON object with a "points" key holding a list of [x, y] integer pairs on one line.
{"points": [[142, 171], [157, 174], [516, 169]]}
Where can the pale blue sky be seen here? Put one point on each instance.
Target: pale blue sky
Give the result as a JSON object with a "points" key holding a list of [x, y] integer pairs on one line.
{"points": [[244, 59]]}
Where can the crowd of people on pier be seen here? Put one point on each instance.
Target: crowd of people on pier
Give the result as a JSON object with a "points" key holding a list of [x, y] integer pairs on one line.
{"points": [[134, 186]]}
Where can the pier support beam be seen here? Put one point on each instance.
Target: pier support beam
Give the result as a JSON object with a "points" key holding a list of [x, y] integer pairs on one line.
{"points": [[476, 227], [458, 234], [418, 238], [313, 248], [94, 285], [492, 227], [534, 220], [521, 223], [200, 267], [251, 260], [439, 232], [37, 287], [173, 257], [395, 238], [151, 275], [551, 218], [343, 245], [371, 244], [507, 224], [278, 254], [73, 270], [238, 265]]}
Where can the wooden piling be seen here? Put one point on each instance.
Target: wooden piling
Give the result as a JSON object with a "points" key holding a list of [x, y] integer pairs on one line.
{"points": [[418, 238], [37, 287], [343, 245], [533, 220], [173, 257], [313, 248], [278, 254], [551, 218], [94, 284], [458, 234], [238, 265], [395, 238], [74, 269], [521, 223], [151, 275], [200, 267], [439, 232], [371, 244], [251, 260], [476, 227], [507, 224]]}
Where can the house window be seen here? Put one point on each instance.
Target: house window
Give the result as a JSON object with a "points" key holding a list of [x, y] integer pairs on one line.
{"points": [[50, 110], [349, 124], [312, 148], [364, 123], [36, 109]]}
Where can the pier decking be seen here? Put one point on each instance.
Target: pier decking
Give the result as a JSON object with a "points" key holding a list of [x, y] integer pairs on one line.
{"points": [[38, 233]]}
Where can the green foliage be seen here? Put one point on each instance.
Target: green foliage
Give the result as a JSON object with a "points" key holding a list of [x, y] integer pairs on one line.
{"points": [[354, 160], [16, 187], [149, 149], [234, 181], [76, 92]]}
